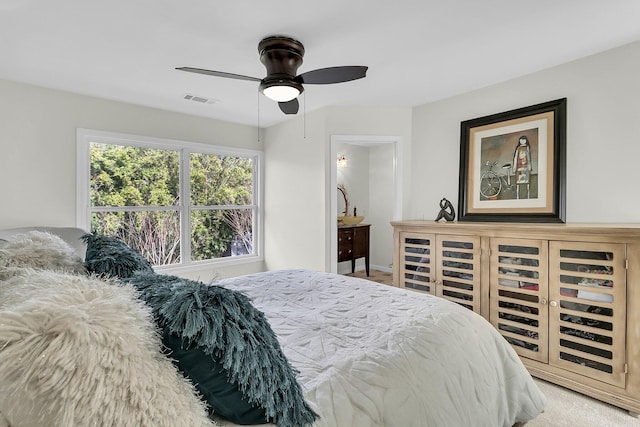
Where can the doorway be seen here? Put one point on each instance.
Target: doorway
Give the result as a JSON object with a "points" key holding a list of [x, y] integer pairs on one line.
{"points": [[372, 179]]}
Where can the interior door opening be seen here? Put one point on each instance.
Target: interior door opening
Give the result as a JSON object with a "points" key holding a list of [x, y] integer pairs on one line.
{"points": [[372, 178]]}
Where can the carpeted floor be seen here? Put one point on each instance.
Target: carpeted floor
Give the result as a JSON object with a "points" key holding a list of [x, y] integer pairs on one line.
{"points": [[565, 408]]}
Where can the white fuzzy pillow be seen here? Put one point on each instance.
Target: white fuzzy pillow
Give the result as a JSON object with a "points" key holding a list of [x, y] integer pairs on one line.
{"points": [[39, 249], [77, 351]]}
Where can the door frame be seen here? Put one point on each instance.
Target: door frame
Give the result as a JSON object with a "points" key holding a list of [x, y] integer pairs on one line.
{"points": [[362, 140]]}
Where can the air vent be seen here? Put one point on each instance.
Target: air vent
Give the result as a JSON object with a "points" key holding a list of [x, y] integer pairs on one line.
{"points": [[200, 99]]}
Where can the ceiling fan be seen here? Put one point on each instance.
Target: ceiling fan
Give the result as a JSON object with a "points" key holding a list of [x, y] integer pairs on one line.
{"points": [[282, 56]]}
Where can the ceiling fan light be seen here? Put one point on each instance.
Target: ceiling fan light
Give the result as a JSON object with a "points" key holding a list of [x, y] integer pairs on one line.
{"points": [[281, 91]]}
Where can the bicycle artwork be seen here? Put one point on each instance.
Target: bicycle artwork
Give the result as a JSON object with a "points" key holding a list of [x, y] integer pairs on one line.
{"points": [[512, 165], [492, 183]]}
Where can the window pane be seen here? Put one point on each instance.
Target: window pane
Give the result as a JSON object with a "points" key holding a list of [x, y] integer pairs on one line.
{"points": [[146, 191], [221, 233], [221, 180], [133, 176], [155, 235]]}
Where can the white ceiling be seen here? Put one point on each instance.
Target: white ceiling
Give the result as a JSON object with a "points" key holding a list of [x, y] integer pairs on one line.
{"points": [[417, 51]]}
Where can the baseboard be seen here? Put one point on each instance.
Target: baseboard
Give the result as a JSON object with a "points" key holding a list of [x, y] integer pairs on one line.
{"points": [[381, 268], [346, 269]]}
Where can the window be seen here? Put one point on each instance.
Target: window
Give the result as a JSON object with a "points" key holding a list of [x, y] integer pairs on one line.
{"points": [[132, 187]]}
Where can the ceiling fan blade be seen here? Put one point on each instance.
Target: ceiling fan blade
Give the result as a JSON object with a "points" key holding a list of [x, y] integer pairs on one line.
{"points": [[330, 75], [289, 107], [218, 74]]}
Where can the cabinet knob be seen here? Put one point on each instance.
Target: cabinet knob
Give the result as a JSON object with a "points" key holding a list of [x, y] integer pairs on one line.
{"points": [[553, 303], [543, 301]]}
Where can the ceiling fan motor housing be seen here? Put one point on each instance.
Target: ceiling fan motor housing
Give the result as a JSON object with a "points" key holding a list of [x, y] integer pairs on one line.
{"points": [[282, 56]]}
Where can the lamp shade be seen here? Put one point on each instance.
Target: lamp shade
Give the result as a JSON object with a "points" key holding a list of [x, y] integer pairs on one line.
{"points": [[281, 90]]}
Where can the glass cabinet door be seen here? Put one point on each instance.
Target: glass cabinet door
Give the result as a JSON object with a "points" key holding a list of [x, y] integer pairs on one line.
{"points": [[458, 270], [518, 294], [417, 262], [587, 309]]}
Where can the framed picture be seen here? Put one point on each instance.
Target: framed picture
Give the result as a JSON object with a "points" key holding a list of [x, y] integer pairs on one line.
{"points": [[512, 165]]}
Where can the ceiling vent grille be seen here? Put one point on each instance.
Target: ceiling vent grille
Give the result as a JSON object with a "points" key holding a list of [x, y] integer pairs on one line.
{"points": [[200, 99]]}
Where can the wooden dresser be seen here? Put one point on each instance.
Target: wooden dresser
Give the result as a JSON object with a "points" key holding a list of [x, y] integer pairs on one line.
{"points": [[567, 297], [353, 243]]}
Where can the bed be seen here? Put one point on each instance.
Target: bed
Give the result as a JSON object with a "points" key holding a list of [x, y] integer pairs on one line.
{"points": [[374, 355]]}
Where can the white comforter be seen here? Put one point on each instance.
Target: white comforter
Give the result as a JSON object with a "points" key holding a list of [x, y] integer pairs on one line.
{"points": [[376, 355]]}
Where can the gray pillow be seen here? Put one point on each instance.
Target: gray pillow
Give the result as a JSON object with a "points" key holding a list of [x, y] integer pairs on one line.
{"points": [[39, 250]]}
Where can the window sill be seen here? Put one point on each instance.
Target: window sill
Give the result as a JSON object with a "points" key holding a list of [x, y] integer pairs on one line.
{"points": [[208, 271]]}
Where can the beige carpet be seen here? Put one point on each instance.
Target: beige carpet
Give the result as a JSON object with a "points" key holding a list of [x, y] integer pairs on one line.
{"points": [[565, 408]]}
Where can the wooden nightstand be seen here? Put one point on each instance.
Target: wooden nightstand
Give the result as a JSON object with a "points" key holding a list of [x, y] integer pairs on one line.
{"points": [[353, 243]]}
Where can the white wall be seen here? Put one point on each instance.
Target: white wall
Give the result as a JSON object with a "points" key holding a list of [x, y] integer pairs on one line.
{"points": [[603, 143], [38, 150], [295, 206], [302, 166], [381, 196]]}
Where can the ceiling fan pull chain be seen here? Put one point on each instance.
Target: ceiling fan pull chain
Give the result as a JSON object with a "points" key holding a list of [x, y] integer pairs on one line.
{"points": [[258, 93]]}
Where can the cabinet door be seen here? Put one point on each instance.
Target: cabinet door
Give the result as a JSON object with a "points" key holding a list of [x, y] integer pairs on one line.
{"points": [[417, 262], [361, 241], [587, 313], [458, 270], [518, 294]]}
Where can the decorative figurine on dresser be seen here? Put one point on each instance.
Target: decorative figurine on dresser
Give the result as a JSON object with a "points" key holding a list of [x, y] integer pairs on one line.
{"points": [[446, 211]]}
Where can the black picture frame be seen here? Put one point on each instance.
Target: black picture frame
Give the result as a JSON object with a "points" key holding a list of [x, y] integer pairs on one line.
{"points": [[512, 165]]}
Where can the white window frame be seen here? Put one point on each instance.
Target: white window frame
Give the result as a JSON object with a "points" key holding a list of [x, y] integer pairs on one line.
{"points": [[84, 138]]}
